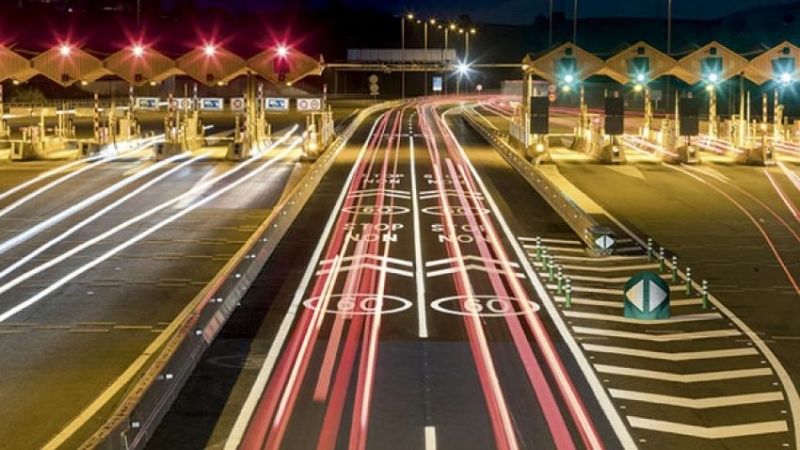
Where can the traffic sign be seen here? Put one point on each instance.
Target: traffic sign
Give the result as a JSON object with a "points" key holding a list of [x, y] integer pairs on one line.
{"points": [[437, 84], [373, 79], [551, 88], [479, 87], [552, 97], [213, 104], [373, 85], [309, 104], [237, 104], [278, 104], [604, 242], [646, 297], [147, 103]]}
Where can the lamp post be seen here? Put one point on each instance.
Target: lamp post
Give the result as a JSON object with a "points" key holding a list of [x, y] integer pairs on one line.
{"points": [[408, 16], [550, 30], [575, 23]]}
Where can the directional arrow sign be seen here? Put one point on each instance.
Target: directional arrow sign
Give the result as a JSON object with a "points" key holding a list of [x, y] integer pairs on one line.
{"points": [[646, 297], [605, 242]]}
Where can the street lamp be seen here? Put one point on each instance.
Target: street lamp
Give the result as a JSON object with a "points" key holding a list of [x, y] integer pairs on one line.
{"points": [[575, 23], [403, 18]]}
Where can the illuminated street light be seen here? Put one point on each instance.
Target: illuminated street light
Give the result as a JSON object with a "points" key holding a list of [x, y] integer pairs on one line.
{"points": [[640, 78], [713, 77], [462, 68], [569, 78], [65, 50], [137, 50], [283, 51], [786, 78], [638, 87], [209, 49]]}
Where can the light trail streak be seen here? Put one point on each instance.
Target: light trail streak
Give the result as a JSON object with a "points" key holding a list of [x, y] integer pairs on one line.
{"points": [[80, 206], [52, 262], [786, 200], [20, 262], [792, 176], [45, 175], [139, 237], [755, 222]]}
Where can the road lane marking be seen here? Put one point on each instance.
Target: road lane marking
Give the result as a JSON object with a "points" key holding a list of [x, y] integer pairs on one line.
{"points": [[468, 267], [723, 432], [700, 377], [612, 318], [377, 268], [553, 241], [447, 261], [617, 292], [430, 438], [419, 277], [609, 268], [698, 403], [675, 357], [672, 337], [612, 279], [377, 258]]}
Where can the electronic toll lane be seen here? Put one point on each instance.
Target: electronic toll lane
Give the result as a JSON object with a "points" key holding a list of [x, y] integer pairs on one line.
{"points": [[401, 311]]}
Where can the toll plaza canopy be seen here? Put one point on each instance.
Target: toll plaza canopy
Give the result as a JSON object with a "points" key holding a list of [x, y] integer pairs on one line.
{"points": [[642, 62], [66, 64]]}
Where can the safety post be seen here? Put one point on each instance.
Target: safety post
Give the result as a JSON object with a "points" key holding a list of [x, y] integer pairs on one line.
{"points": [[649, 249], [705, 294], [674, 269], [559, 277], [551, 267], [568, 293], [688, 281], [538, 248], [661, 265]]}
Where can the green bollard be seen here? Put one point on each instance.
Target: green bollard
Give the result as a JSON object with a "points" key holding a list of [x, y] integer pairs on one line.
{"points": [[649, 249], [559, 277], [568, 293], [688, 281], [674, 269], [551, 268], [538, 248], [705, 294], [661, 265]]}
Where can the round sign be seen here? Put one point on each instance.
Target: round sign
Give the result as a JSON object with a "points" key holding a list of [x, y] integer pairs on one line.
{"points": [[552, 97], [237, 103], [373, 79], [373, 88], [479, 87], [551, 88], [314, 103], [185, 103], [302, 104]]}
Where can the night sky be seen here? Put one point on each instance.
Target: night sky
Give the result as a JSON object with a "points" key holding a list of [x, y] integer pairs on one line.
{"points": [[525, 11]]}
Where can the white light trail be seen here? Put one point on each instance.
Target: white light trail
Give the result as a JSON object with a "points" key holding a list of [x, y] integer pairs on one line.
{"points": [[50, 263]]}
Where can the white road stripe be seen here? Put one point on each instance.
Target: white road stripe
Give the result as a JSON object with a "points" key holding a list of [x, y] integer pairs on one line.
{"points": [[698, 403], [468, 267], [430, 438], [440, 262], [553, 241], [619, 304], [419, 276], [619, 292], [684, 378], [666, 356], [613, 279], [658, 337], [605, 258], [723, 432], [620, 319], [375, 267], [611, 268], [556, 250], [377, 258]]}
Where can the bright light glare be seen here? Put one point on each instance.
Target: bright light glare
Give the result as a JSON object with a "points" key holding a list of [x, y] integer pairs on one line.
{"points": [[65, 50], [710, 87], [209, 50], [566, 88], [637, 88], [569, 78], [640, 77], [283, 51], [786, 78], [462, 68], [713, 78], [138, 50]]}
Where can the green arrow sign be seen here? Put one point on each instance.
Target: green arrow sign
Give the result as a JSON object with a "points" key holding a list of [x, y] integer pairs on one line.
{"points": [[646, 297]]}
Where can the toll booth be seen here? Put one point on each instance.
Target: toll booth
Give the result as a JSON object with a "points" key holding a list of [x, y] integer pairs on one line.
{"points": [[688, 128]]}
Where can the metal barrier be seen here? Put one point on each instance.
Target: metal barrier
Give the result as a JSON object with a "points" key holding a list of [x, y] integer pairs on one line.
{"points": [[575, 217], [149, 398]]}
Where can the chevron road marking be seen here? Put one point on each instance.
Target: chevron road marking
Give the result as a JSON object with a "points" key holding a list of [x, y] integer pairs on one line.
{"points": [[618, 303], [684, 378], [620, 292], [672, 337], [385, 192], [377, 258], [376, 267], [469, 267], [620, 319], [724, 432], [675, 357], [426, 195], [698, 403], [605, 258], [440, 262], [608, 268], [612, 280], [553, 241]]}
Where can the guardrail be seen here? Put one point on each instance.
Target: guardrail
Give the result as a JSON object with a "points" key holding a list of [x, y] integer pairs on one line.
{"points": [[187, 338], [573, 215]]}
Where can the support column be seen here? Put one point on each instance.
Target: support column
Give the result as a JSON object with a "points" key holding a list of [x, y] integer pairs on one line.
{"points": [[712, 112]]}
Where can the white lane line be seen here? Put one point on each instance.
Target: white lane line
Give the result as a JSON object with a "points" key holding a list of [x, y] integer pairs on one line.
{"points": [[197, 190], [377, 258], [675, 357], [710, 334], [249, 406], [605, 258], [619, 304], [468, 267], [553, 241], [419, 275], [684, 378], [609, 268], [375, 267], [430, 438], [620, 319], [448, 261], [47, 174], [612, 279], [723, 432], [556, 251], [618, 292], [698, 403]]}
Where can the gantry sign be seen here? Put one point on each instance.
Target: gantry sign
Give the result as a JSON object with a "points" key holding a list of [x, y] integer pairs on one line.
{"points": [[66, 64], [640, 63]]}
